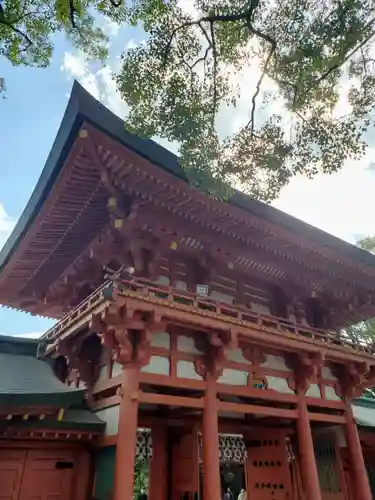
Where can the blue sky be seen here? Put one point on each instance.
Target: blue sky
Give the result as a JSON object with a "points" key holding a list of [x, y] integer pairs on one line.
{"points": [[341, 204]]}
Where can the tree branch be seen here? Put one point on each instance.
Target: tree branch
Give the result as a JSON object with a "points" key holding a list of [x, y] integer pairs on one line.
{"points": [[72, 13], [209, 47], [246, 16], [214, 55], [272, 51], [18, 32], [204, 19], [349, 55]]}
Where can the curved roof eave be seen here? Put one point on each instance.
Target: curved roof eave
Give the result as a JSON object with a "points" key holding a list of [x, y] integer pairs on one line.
{"points": [[82, 107]]}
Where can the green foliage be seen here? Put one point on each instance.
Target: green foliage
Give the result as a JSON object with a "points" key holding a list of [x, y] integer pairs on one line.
{"points": [[195, 64], [188, 71], [28, 28], [363, 332], [367, 244], [140, 477]]}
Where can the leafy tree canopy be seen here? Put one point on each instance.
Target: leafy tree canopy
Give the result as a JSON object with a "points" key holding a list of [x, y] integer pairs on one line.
{"points": [[28, 28], [190, 67]]}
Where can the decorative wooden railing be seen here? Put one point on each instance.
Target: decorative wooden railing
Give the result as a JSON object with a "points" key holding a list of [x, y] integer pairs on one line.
{"points": [[186, 301]]}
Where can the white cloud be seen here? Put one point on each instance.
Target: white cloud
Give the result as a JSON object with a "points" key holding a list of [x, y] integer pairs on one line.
{"points": [[6, 225], [75, 66], [342, 204], [98, 82], [111, 28], [109, 93]]}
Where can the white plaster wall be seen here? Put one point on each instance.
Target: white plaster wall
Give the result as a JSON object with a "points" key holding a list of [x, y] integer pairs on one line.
{"points": [[116, 369], [222, 297], [110, 416], [260, 308], [313, 391], [186, 369], [187, 344], [327, 374], [158, 365], [237, 356], [331, 394], [181, 285], [103, 373], [161, 339], [233, 377], [276, 363], [279, 384], [163, 280]]}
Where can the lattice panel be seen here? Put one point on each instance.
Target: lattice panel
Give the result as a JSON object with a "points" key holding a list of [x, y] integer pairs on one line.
{"points": [[144, 445], [231, 448], [327, 466]]}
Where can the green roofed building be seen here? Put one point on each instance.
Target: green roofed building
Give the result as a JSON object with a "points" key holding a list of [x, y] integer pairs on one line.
{"points": [[198, 342]]}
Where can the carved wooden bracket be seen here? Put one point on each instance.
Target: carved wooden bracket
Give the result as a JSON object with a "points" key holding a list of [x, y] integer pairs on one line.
{"points": [[215, 346], [255, 355], [306, 368], [83, 356], [127, 333], [354, 378]]}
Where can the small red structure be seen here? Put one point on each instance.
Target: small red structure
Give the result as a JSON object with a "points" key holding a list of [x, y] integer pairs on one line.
{"points": [[220, 359]]}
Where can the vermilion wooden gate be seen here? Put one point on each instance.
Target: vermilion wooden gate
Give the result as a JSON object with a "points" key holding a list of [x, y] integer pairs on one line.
{"points": [[185, 467], [267, 467]]}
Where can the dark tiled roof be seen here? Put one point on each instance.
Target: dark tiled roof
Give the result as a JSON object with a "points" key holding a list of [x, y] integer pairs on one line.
{"points": [[74, 418], [28, 381]]}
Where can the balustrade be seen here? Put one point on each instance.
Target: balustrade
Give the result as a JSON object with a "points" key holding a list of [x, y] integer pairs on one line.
{"points": [[148, 291]]}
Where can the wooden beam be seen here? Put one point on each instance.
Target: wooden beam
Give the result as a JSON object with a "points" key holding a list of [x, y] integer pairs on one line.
{"points": [[265, 411], [167, 400], [326, 418]]}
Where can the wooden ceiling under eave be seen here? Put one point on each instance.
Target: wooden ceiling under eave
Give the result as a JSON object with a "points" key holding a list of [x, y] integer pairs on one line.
{"points": [[74, 220], [72, 216]]}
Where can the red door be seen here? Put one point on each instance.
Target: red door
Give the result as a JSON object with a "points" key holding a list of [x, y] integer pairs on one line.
{"points": [[268, 476], [36, 475], [12, 463], [48, 475], [185, 467]]}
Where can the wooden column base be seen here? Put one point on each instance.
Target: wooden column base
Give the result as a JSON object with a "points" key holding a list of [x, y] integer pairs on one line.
{"points": [[127, 435], [158, 486], [211, 463], [361, 485]]}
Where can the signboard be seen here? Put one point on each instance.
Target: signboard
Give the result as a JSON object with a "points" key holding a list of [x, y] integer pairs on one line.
{"points": [[202, 290]]}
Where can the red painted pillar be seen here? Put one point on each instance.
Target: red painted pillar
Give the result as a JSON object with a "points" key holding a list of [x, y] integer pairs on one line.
{"points": [[127, 434], [308, 467], [361, 484], [210, 443], [159, 464]]}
